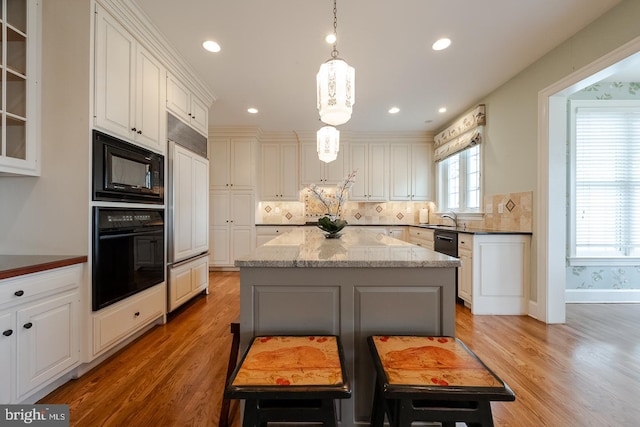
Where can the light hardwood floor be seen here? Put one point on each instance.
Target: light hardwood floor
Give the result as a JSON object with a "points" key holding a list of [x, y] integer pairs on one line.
{"points": [[582, 373]]}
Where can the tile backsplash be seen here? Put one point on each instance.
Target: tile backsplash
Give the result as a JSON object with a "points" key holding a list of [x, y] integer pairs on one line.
{"points": [[505, 212]]}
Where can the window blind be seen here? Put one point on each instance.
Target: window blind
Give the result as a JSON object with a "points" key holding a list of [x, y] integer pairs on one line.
{"points": [[607, 182]]}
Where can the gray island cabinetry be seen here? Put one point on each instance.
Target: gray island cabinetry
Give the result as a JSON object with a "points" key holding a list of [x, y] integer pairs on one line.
{"points": [[361, 284]]}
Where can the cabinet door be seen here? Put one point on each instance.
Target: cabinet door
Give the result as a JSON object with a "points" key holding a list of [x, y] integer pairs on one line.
{"points": [[220, 246], [183, 204], [219, 209], [115, 56], [242, 163], [334, 172], [178, 99], [150, 109], [181, 286], [220, 170], [421, 167], [200, 204], [311, 169], [400, 172], [242, 242], [290, 186], [199, 119], [7, 350], [358, 157], [465, 275], [242, 210], [377, 172], [48, 340], [271, 172]]}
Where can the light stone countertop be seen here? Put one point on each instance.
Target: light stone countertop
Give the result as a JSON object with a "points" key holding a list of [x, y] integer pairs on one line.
{"points": [[307, 247]]}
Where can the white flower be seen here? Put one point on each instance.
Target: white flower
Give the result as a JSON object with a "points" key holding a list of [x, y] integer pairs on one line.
{"points": [[334, 204]]}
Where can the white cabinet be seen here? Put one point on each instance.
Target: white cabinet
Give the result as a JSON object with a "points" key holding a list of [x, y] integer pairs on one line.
{"points": [[187, 280], [232, 226], [370, 159], [465, 271], [130, 86], [315, 171], [233, 162], [7, 355], [39, 322], [410, 171], [20, 88], [115, 323], [279, 172], [190, 204], [186, 105], [494, 276], [422, 237]]}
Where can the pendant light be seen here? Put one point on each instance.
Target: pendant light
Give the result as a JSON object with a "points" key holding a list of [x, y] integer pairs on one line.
{"points": [[328, 143], [335, 84]]}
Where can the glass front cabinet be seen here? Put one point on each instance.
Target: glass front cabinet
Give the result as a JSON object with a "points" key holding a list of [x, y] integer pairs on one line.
{"points": [[19, 139]]}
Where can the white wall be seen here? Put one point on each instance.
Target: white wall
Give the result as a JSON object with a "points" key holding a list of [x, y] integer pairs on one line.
{"points": [[49, 214], [510, 152]]}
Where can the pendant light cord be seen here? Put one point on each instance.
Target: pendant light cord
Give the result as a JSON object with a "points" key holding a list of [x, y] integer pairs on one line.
{"points": [[334, 52]]}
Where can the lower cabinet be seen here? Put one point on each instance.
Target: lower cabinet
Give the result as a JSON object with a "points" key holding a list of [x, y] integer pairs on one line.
{"points": [[495, 271], [264, 233], [39, 321], [231, 226], [421, 236], [187, 280], [115, 323]]}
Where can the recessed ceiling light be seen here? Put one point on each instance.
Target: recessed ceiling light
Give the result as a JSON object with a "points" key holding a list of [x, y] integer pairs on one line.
{"points": [[394, 110], [211, 46], [252, 110], [441, 44], [331, 38], [442, 110]]}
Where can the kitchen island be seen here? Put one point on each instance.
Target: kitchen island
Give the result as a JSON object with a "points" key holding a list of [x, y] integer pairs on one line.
{"points": [[361, 284]]}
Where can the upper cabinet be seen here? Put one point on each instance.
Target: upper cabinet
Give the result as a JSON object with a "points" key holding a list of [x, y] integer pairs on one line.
{"points": [[130, 86], [410, 171], [279, 172], [315, 171], [186, 105], [19, 86], [370, 160], [233, 163]]}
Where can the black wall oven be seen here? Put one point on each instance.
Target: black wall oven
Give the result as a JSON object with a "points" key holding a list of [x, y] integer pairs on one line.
{"points": [[128, 253], [124, 172]]}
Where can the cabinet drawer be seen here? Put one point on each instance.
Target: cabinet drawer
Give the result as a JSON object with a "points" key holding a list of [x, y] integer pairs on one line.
{"points": [[115, 323], [23, 288], [465, 241], [421, 233], [274, 231]]}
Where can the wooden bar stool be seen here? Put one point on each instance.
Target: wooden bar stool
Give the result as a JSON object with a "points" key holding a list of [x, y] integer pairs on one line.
{"points": [[435, 379], [290, 379], [233, 361]]}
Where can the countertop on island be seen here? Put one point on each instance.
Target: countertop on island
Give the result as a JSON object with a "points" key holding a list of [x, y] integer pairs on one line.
{"points": [[356, 247], [18, 265]]}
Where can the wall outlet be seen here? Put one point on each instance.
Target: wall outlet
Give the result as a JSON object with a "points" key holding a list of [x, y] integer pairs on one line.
{"points": [[278, 210], [488, 208], [500, 207]]}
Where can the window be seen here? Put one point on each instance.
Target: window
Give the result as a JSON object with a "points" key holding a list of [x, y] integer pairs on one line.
{"points": [[605, 181], [459, 179]]}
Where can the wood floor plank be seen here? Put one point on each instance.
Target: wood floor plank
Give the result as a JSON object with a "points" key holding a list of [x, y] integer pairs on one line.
{"points": [[582, 373]]}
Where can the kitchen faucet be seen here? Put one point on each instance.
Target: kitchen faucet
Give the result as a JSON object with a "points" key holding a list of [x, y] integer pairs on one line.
{"points": [[452, 216]]}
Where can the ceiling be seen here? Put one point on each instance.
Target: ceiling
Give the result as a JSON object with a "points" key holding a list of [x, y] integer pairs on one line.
{"points": [[271, 52]]}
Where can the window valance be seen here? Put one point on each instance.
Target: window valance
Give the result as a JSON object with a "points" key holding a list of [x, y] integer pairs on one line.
{"points": [[464, 133]]}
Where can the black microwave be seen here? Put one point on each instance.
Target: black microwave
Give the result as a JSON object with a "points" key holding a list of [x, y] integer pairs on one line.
{"points": [[123, 172]]}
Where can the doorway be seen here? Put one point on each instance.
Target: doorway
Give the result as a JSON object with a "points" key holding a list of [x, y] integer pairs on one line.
{"points": [[552, 176]]}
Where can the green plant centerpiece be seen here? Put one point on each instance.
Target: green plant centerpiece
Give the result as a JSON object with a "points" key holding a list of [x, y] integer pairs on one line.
{"points": [[332, 223]]}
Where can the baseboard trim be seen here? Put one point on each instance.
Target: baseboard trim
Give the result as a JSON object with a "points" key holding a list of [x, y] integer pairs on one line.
{"points": [[621, 296]]}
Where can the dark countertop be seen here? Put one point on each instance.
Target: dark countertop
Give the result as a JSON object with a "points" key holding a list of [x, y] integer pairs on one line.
{"points": [[18, 265], [470, 230]]}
